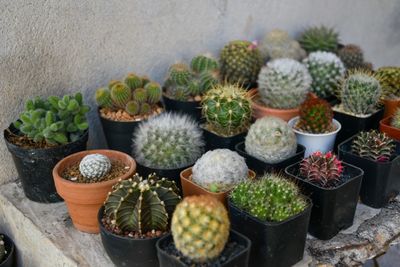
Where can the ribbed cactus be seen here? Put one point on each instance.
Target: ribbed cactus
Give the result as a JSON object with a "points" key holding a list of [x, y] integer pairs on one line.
{"points": [[373, 145], [132, 107], [133, 81], [168, 141], [278, 44], [200, 228], [315, 116], [352, 56], [219, 170], [389, 78], [94, 166], [120, 94], [142, 206], [271, 198], [112, 83], [154, 92], [203, 63], [396, 119], [283, 83], [319, 38], [3, 251], [180, 74], [103, 97]]}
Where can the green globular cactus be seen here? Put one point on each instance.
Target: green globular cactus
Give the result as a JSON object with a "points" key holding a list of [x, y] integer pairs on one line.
{"points": [[133, 81], [132, 107], [154, 92], [3, 251], [271, 198], [389, 78], [94, 166], [352, 56], [180, 74], [315, 116], [120, 95], [168, 141], [271, 140], [320, 38], [203, 63], [103, 98], [278, 44], [200, 228], [227, 109], [142, 206], [240, 62], [283, 83], [145, 108], [219, 170], [373, 145], [395, 122], [208, 79], [112, 83], [326, 71], [140, 95]]}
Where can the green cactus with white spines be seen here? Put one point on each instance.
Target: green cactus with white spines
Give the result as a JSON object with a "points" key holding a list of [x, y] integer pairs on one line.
{"points": [[389, 78], [133, 81], [320, 38], [352, 56], [103, 97], [180, 74], [3, 251], [395, 122], [373, 145], [278, 44], [283, 83], [120, 94], [94, 166], [202, 63]]}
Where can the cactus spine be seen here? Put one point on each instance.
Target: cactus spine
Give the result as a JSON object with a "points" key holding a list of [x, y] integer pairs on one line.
{"points": [[320, 38], [352, 56], [316, 116]]}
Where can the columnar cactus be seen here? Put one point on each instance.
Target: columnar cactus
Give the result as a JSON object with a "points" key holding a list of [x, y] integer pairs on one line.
{"points": [[373, 145], [94, 166], [200, 228], [389, 78], [142, 206], [352, 56], [278, 44], [316, 116], [168, 141], [396, 119], [219, 170], [271, 198], [271, 140], [320, 38], [3, 251], [284, 83]]}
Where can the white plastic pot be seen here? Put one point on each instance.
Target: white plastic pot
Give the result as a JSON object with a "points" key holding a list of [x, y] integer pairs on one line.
{"points": [[315, 142]]}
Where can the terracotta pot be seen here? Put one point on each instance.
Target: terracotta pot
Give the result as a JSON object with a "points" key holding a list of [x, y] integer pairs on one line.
{"points": [[190, 188], [391, 105], [385, 127], [84, 200]]}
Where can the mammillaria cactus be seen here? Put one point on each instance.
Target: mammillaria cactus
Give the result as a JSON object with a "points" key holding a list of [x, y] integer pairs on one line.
{"points": [[326, 70], [373, 145], [389, 78], [284, 83], [94, 166], [200, 227], [3, 252], [320, 38], [219, 170], [316, 116], [278, 44], [322, 169], [142, 206], [271, 140], [168, 141], [352, 56], [396, 119], [271, 198]]}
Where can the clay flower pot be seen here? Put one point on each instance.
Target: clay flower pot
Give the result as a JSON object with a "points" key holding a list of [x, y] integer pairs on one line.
{"points": [[84, 200], [391, 105], [385, 127]]}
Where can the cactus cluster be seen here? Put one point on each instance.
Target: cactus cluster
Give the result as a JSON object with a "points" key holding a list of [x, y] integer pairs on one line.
{"points": [[200, 228], [321, 169], [142, 205], [315, 116], [55, 120], [3, 251], [389, 78], [168, 141], [352, 56], [271, 140], [319, 38], [278, 44], [373, 145], [94, 166], [283, 83], [271, 198], [395, 122], [219, 170]]}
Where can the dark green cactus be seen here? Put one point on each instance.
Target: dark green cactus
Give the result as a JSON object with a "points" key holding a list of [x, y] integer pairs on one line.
{"points": [[203, 63], [373, 145], [319, 39]]}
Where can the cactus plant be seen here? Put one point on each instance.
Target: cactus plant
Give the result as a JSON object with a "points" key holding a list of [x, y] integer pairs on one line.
{"points": [[283, 83], [395, 122], [133, 81], [180, 74], [278, 44], [352, 56], [142, 206], [103, 97], [202, 63], [132, 107], [271, 198], [94, 166], [168, 141], [389, 78], [3, 251], [153, 90], [120, 94], [373, 145], [200, 227], [315, 116], [319, 38]]}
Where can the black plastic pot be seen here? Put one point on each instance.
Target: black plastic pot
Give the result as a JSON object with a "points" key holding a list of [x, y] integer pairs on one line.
{"points": [[192, 108], [333, 209], [214, 141], [261, 167], [9, 260], [35, 166], [125, 251], [239, 260], [381, 181], [273, 244]]}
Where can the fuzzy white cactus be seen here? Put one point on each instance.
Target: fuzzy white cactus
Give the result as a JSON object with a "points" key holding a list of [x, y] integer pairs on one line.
{"points": [[94, 166]]}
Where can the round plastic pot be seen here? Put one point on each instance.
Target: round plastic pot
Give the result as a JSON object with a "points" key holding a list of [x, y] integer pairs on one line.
{"points": [[391, 105], [261, 167], [334, 208], [192, 108], [34, 166], [9, 260], [84, 200], [385, 127], [381, 181], [126, 251], [214, 141], [239, 260], [315, 142], [275, 244]]}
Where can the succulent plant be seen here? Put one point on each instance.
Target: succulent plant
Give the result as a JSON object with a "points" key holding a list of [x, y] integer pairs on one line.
{"points": [[133, 81], [395, 122], [103, 97], [168, 141], [227, 109], [180, 74], [200, 227], [202, 63], [283, 83], [271, 198], [142, 205], [319, 38], [373, 145], [315, 116], [352, 56], [3, 251], [278, 44], [94, 166], [132, 107], [55, 120], [324, 170], [240, 62], [219, 170], [271, 140], [120, 94], [326, 70], [154, 92], [389, 78]]}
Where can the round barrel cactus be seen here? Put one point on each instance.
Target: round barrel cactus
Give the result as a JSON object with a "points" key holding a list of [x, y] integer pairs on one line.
{"points": [[278, 44], [373, 145], [202, 63], [315, 116], [389, 78], [352, 56], [94, 166]]}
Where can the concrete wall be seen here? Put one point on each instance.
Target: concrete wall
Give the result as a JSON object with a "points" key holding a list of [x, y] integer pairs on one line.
{"points": [[54, 47]]}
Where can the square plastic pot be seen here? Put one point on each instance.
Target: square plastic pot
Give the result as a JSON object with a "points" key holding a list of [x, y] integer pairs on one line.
{"points": [[214, 141], [388, 129], [191, 108]]}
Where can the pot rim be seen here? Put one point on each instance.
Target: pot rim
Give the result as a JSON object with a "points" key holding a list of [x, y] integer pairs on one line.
{"points": [[254, 92], [335, 108], [292, 122], [164, 94], [204, 128], [385, 122]]}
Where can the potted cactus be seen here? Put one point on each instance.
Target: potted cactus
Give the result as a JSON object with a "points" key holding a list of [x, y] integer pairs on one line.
{"points": [[391, 125], [379, 157], [46, 131], [315, 128], [319, 38], [7, 251], [201, 236], [83, 180], [128, 238], [270, 145], [227, 111], [333, 187], [273, 214], [123, 105], [167, 144], [352, 57], [389, 78], [215, 174]]}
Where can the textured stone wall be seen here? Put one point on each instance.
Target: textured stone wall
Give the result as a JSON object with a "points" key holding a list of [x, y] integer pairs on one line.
{"points": [[54, 47]]}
